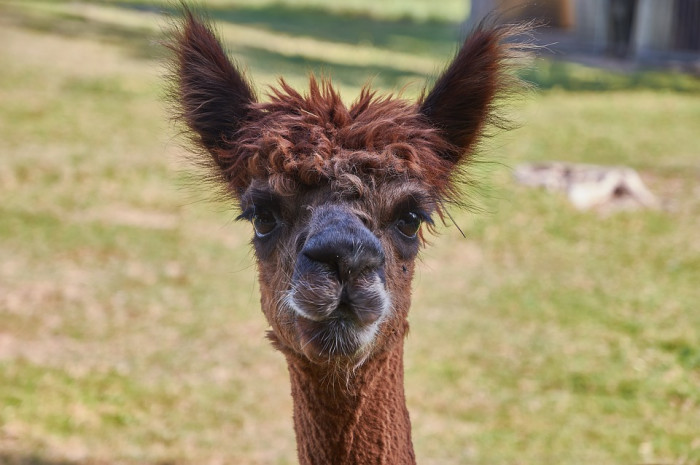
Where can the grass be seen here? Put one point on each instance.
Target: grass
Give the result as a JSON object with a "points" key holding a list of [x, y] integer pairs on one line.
{"points": [[129, 323]]}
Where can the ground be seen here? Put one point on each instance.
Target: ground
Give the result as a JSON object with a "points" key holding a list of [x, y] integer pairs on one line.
{"points": [[130, 330]]}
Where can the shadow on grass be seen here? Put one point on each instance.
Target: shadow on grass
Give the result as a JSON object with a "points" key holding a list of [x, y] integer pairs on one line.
{"points": [[142, 43], [555, 74], [404, 35], [433, 38], [138, 41], [351, 75]]}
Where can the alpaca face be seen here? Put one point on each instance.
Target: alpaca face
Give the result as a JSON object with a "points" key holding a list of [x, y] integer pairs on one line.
{"points": [[336, 197], [336, 264], [336, 194]]}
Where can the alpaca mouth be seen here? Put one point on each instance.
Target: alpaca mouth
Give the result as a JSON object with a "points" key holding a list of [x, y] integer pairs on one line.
{"points": [[337, 337], [336, 319]]}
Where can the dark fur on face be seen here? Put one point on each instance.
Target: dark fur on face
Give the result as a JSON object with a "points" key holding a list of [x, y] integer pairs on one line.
{"points": [[334, 273], [336, 193]]}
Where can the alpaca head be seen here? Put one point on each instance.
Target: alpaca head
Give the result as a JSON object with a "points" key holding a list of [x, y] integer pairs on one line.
{"points": [[338, 196]]}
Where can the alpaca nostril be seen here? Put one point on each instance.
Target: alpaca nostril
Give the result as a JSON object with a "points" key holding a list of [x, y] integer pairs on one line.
{"points": [[366, 264]]}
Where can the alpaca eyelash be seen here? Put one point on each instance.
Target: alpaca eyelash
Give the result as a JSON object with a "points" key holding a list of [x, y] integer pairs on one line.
{"points": [[258, 201], [250, 213], [246, 215], [424, 216], [416, 205]]}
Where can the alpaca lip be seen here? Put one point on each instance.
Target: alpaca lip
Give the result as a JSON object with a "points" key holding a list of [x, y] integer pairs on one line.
{"points": [[347, 313], [334, 337], [360, 303], [358, 315], [346, 328]]}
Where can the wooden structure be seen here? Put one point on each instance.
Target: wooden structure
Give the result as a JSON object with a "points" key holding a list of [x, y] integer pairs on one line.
{"points": [[641, 30]]}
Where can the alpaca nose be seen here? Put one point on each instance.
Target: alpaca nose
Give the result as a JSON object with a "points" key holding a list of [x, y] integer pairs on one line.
{"points": [[347, 257], [344, 245]]}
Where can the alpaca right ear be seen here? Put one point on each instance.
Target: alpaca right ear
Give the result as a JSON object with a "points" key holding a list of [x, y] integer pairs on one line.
{"points": [[212, 96], [461, 102]]}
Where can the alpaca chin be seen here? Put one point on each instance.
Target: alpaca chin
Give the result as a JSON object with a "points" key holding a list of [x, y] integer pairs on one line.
{"points": [[331, 329]]}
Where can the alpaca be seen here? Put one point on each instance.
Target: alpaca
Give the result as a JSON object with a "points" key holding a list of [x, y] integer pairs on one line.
{"points": [[339, 198]]}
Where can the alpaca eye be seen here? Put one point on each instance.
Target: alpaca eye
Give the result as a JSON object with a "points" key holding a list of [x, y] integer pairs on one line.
{"points": [[409, 224], [264, 223]]}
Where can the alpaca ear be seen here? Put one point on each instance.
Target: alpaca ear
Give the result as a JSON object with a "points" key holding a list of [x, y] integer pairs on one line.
{"points": [[462, 100], [212, 96]]}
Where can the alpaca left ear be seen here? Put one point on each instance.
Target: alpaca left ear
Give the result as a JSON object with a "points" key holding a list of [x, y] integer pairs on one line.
{"points": [[461, 102], [212, 97]]}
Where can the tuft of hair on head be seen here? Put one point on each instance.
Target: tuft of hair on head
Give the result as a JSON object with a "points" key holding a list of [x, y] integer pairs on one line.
{"points": [[207, 92], [464, 100]]}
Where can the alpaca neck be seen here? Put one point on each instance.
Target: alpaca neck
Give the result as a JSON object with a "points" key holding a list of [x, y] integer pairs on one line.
{"points": [[357, 421]]}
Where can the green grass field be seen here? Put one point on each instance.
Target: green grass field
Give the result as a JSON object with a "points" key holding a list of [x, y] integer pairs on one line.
{"points": [[130, 331]]}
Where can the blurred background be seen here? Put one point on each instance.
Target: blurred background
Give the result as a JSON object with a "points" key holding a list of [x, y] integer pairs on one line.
{"points": [[130, 329]]}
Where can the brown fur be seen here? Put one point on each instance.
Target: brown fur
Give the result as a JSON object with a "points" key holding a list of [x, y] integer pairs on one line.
{"points": [[314, 139], [310, 167], [361, 423]]}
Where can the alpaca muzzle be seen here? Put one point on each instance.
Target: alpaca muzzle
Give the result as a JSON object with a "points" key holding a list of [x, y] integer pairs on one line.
{"points": [[338, 286]]}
